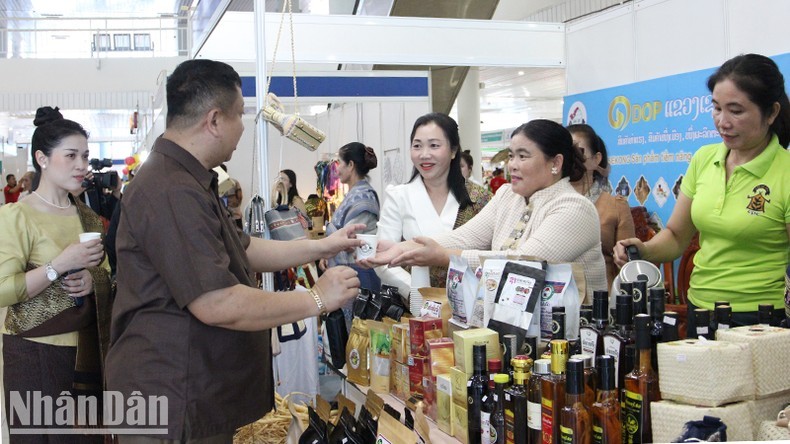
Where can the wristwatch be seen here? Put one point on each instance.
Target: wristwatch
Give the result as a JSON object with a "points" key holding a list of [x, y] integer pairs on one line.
{"points": [[52, 274]]}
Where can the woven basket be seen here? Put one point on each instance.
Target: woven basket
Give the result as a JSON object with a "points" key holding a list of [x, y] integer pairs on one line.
{"points": [[765, 409], [692, 371], [769, 431], [669, 417], [770, 351]]}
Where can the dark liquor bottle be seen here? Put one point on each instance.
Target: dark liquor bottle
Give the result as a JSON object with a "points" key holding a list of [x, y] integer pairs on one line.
{"points": [[640, 297], [670, 322], [606, 428], [541, 369], [497, 430], [722, 319], [702, 323], [615, 341], [585, 314], [476, 388], [489, 401], [516, 431], [591, 336], [589, 378], [575, 420], [657, 301], [510, 351], [765, 314], [531, 347], [557, 328], [552, 392], [627, 288], [641, 388]]}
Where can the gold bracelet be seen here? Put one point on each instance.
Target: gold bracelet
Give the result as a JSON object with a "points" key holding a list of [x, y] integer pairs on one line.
{"points": [[321, 307]]}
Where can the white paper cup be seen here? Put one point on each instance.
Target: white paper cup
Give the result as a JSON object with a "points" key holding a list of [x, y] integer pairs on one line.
{"points": [[85, 237], [368, 249]]}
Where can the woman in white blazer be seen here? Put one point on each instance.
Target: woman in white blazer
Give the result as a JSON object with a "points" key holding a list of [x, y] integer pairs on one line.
{"points": [[436, 200]]}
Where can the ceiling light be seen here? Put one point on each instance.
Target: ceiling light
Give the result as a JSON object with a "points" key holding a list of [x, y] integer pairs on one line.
{"points": [[521, 73]]}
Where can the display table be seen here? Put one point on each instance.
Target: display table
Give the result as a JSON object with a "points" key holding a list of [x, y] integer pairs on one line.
{"points": [[358, 394]]}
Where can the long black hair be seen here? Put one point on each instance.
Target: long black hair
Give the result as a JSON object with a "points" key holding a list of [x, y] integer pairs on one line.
{"points": [[760, 78], [596, 146], [455, 180], [291, 192]]}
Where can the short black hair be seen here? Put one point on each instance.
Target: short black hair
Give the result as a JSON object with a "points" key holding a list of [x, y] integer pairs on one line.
{"points": [[8, 177], [196, 86]]}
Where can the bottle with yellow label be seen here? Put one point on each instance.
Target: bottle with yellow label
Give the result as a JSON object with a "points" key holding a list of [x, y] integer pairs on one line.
{"points": [[641, 388], [552, 392], [575, 420], [516, 402]]}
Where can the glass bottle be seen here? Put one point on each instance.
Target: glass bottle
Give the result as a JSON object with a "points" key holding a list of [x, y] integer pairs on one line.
{"points": [[615, 341], [585, 314], [497, 430], [552, 392], [575, 420], [510, 351], [591, 336], [641, 388], [657, 301], [765, 314], [531, 347], [670, 322], [557, 328], [606, 427], [627, 288], [702, 323], [722, 319], [489, 401], [640, 297], [476, 388], [516, 431], [589, 377], [541, 369]]}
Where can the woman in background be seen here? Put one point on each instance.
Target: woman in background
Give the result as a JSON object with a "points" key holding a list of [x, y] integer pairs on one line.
{"points": [[359, 206], [56, 289], [436, 200], [614, 212], [286, 193], [736, 195]]}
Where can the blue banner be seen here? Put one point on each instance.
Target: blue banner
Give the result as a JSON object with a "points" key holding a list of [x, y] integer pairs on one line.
{"points": [[651, 130]]}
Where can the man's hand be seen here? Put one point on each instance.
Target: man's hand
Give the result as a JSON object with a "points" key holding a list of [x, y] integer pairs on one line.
{"points": [[343, 239], [337, 286]]}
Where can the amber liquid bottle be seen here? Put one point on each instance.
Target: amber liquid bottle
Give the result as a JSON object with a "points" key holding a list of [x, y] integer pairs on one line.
{"points": [[516, 431], [606, 428], [616, 341], [552, 392], [641, 389], [575, 420], [589, 378], [591, 335], [540, 369]]}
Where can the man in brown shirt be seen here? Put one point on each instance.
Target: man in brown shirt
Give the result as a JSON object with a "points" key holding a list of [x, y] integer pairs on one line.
{"points": [[188, 324]]}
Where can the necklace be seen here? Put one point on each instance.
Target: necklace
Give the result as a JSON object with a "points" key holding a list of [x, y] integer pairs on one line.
{"points": [[53, 204]]}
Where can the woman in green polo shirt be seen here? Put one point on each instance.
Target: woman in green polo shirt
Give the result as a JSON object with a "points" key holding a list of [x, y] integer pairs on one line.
{"points": [[736, 194]]}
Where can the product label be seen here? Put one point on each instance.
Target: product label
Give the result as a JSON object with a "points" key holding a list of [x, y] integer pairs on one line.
{"points": [[702, 330], [597, 434], [510, 427], [632, 417], [611, 347], [485, 428], [533, 415], [432, 309], [515, 293], [547, 421], [382, 440], [566, 435], [589, 341], [353, 358]]}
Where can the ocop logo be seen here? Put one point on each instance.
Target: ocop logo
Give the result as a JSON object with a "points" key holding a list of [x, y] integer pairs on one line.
{"points": [[577, 113], [622, 112]]}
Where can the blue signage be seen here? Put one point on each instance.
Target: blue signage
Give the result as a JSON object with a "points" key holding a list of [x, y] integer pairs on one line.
{"points": [[651, 130]]}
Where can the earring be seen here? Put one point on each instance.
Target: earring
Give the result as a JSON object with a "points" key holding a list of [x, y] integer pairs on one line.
{"points": [[44, 167], [554, 171]]}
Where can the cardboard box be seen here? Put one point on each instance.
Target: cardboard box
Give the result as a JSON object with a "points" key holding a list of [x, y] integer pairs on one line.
{"points": [[420, 330], [419, 368], [458, 380], [465, 339], [444, 403], [399, 380], [770, 347], [400, 342], [668, 418], [692, 371], [441, 353], [436, 305], [460, 417]]}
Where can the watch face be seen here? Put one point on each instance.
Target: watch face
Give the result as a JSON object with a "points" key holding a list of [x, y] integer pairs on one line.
{"points": [[51, 273]]}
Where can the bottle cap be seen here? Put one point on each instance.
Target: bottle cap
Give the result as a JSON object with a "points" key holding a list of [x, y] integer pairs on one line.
{"points": [[531, 346], [626, 288], [723, 313], [559, 355], [479, 356], [558, 325], [642, 326], [625, 309], [702, 317], [586, 358], [558, 308], [542, 367], [658, 301], [606, 372], [494, 365], [521, 362], [720, 303], [601, 304], [501, 378], [640, 296], [574, 382], [585, 316]]}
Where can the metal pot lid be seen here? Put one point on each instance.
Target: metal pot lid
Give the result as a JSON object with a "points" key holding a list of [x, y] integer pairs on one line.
{"points": [[640, 270]]}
